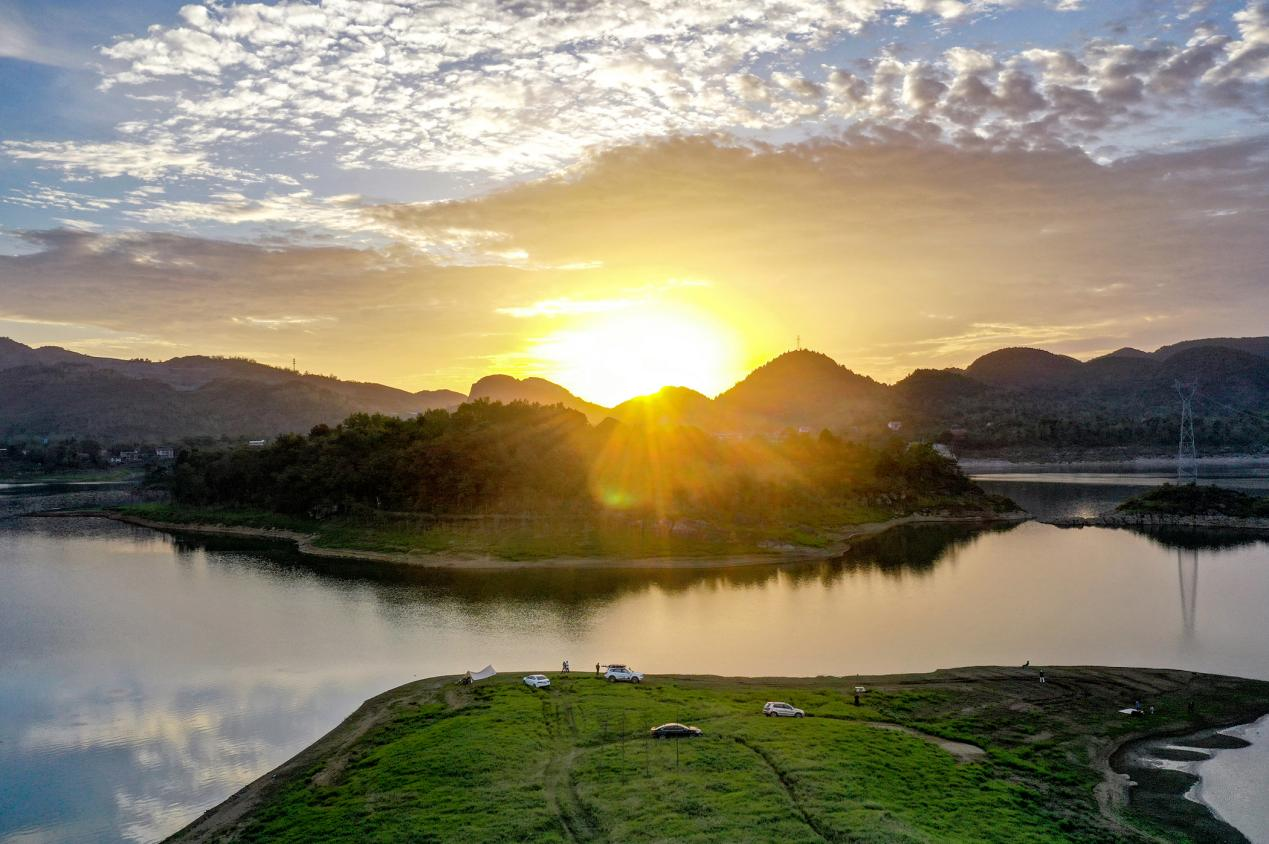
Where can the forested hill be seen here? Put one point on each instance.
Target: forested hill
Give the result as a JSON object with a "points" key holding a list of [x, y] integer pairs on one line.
{"points": [[492, 458], [1028, 398], [51, 392], [1006, 400]]}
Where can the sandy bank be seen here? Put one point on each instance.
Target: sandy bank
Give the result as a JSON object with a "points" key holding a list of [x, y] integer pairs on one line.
{"points": [[777, 555]]}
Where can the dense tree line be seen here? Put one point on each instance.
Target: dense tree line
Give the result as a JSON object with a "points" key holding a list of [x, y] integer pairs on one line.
{"points": [[56, 456], [487, 458], [994, 424]]}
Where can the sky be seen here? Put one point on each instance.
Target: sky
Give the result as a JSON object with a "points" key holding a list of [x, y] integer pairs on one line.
{"points": [[621, 194]]}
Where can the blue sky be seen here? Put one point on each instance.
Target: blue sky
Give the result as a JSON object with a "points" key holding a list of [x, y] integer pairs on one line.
{"points": [[273, 129]]}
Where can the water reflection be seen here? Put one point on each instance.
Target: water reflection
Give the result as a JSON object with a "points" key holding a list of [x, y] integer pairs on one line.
{"points": [[914, 549], [907, 551], [1054, 495], [1187, 580], [144, 677], [1199, 539]]}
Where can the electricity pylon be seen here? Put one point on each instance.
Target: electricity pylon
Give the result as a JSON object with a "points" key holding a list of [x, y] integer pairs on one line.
{"points": [[1186, 453]]}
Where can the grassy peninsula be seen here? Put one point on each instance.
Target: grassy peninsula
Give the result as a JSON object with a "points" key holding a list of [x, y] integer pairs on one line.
{"points": [[527, 482], [983, 754]]}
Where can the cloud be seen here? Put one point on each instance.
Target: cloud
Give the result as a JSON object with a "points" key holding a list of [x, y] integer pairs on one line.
{"points": [[507, 90], [849, 243], [38, 195], [15, 40], [145, 161], [278, 322], [374, 314], [495, 90], [844, 240], [565, 306], [18, 40]]}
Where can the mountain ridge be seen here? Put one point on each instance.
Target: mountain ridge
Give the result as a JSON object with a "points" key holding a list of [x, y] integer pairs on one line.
{"points": [[50, 391]]}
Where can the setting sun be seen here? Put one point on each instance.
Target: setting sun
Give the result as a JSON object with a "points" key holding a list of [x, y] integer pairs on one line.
{"points": [[633, 353]]}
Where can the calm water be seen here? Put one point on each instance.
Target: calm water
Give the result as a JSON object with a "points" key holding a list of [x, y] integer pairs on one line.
{"points": [[1055, 494], [143, 678], [1233, 781]]}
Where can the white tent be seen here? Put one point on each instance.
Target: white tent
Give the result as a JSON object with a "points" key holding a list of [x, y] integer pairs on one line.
{"points": [[487, 671]]}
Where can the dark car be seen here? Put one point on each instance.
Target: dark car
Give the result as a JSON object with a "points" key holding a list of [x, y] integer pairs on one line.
{"points": [[675, 731]]}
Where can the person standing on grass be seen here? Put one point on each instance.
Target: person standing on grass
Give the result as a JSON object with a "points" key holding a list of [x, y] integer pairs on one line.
{"points": [[597, 669]]}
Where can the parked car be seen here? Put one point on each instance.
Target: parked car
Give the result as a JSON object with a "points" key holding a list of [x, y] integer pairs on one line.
{"points": [[675, 731], [538, 681], [623, 674], [779, 709]]}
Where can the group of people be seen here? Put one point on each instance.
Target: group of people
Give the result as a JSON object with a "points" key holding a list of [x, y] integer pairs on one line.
{"points": [[566, 669]]}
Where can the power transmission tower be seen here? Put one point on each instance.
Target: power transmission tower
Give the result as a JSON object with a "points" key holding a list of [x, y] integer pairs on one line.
{"points": [[1186, 453]]}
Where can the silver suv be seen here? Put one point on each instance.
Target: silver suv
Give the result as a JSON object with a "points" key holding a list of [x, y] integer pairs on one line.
{"points": [[622, 674], [779, 709]]}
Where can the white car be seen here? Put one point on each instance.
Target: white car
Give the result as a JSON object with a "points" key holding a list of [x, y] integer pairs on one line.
{"points": [[622, 674], [779, 709], [538, 681]]}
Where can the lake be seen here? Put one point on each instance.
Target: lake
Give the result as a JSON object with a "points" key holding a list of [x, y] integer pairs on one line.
{"points": [[145, 677]]}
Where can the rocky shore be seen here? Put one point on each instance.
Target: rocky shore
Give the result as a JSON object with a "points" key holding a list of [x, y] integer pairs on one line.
{"points": [[1155, 520]]}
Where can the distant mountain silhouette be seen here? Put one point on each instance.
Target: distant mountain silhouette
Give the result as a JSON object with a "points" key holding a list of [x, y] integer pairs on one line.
{"points": [[1125, 401], [930, 388], [506, 389], [1220, 370], [1015, 397], [68, 400], [439, 399], [1126, 352], [1022, 367], [803, 389], [671, 406], [188, 373], [50, 391], [1252, 345]]}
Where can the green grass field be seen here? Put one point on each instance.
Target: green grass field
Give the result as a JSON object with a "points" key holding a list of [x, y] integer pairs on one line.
{"points": [[502, 762], [511, 538]]}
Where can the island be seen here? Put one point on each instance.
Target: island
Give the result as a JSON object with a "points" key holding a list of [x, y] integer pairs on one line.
{"points": [[970, 754], [1185, 505], [495, 485]]}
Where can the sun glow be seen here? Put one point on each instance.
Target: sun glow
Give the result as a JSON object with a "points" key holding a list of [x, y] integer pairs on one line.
{"points": [[634, 353]]}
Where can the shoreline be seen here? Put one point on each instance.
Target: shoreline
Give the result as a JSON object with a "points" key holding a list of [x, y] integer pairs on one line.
{"points": [[1155, 520], [1117, 796], [1163, 768], [1203, 769], [1140, 463], [304, 543]]}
